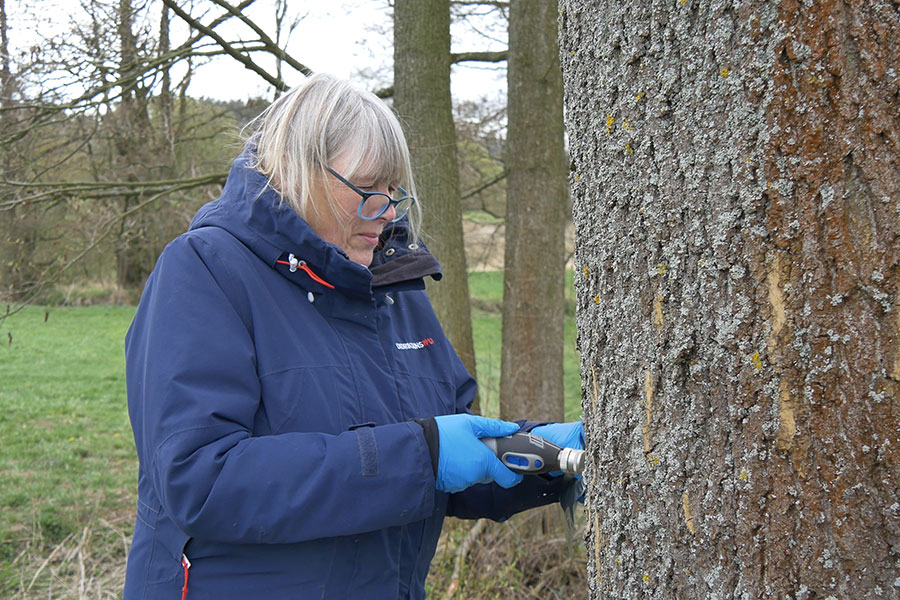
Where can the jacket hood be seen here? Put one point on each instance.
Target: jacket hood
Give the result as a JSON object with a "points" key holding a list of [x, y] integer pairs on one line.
{"points": [[254, 213]]}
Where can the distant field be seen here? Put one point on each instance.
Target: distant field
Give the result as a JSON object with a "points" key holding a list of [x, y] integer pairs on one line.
{"points": [[68, 470], [68, 464]]}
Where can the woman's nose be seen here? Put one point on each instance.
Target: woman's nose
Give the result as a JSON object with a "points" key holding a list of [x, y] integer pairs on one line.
{"points": [[390, 213]]}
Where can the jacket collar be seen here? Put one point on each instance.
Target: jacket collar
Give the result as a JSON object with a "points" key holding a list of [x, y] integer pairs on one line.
{"points": [[398, 259], [255, 214]]}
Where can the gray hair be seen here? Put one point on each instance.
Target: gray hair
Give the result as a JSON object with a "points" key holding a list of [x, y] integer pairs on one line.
{"points": [[320, 121]]}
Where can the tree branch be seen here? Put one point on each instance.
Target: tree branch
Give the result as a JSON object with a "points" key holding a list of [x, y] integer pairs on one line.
{"points": [[461, 553], [480, 188], [477, 56], [244, 60], [270, 45], [496, 4], [88, 185], [48, 192], [385, 93], [186, 50], [108, 225]]}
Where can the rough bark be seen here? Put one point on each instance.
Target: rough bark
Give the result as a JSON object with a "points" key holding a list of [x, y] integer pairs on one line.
{"points": [[537, 199], [422, 101], [736, 181]]}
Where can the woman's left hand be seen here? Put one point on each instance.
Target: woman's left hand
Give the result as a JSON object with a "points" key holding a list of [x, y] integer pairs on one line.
{"points": [[564, 435]]}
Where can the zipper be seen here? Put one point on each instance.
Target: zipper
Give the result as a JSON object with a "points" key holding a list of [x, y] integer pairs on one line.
{"points": [[186, 565], [295, 264]]}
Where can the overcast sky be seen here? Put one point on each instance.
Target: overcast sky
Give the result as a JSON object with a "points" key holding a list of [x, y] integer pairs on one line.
{"points": [[350, 38]]}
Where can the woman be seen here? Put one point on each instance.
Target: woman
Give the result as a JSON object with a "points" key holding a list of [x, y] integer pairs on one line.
{"points": [[300, 417]]}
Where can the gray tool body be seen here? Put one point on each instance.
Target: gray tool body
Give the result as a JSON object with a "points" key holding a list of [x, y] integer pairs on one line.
{"points": [[532, 455]]}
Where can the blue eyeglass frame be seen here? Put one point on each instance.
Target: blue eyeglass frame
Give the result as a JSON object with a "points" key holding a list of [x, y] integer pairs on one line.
{"points": [[366, 195]]}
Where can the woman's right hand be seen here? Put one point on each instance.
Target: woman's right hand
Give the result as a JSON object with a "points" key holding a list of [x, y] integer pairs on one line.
{"points": [[463, 460]]}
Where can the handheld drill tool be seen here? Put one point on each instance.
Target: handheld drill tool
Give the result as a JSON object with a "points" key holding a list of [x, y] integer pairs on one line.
{"points": [[532, 455]]}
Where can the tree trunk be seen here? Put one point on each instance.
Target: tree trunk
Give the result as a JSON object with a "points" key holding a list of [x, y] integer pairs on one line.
{"points": [[132, 135], [736, 180], [165, 95], [9, 242], [422, 101], [5, 70], [127, 50], [537, 198]]}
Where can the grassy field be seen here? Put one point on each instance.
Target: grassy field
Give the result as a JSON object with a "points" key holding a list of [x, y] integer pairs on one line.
{"points": [[68, 470], [68, 464]]}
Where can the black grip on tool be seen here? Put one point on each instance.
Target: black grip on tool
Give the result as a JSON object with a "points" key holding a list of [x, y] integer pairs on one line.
{"points": [[525, 453]]}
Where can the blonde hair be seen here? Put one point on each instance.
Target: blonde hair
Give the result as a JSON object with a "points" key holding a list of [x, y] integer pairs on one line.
{"points": [[320, 121]]}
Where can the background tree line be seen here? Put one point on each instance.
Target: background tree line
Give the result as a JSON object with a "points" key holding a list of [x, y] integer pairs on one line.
{"points": [[105, 157], [122, 129]]}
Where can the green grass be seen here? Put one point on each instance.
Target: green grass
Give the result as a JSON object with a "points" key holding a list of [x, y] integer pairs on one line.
{"points": [[479, 216], [68, 469], [486, 289], [68, 457]]}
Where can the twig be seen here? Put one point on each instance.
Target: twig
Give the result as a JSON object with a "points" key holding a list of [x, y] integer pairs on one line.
{"points": [[53, 191], [81, 595], [121, 535], [91, 185], [82, 547], [484, 186], [461, 554], [47, 561], [278, 83], [270, 45]]}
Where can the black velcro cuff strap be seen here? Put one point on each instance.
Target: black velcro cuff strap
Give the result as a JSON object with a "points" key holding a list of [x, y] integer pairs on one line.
{"points": [[432, 438]]}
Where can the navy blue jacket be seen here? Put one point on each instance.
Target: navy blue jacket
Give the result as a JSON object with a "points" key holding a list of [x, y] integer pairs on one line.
{"points": [[272, 408]]}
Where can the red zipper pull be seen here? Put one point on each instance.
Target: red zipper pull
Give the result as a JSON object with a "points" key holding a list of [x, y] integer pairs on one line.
{"points": [[296, 263], [186, 564]]}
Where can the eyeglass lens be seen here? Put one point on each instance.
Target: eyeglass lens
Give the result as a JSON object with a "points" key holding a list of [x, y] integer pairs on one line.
{"points": [[377, 204]]}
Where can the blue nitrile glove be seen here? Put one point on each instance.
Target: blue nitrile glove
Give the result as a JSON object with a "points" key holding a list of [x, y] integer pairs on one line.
{"points": [[564, 435], [463, 460]]}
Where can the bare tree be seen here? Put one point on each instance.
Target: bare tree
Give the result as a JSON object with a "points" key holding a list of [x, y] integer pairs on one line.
{"points": [[285, 25], [421, 95], [97, 137], [7, 217], [736, 170], [481, 140], [5, 71], [131, 137], [537, 199], [166, 97]]}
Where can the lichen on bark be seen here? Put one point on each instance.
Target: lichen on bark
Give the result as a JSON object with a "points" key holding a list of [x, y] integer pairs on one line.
{"points": [[736, 187]]}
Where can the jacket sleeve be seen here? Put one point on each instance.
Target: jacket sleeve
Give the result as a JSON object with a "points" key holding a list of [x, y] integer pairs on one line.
{"points": [[193, 394], [490, 501]]}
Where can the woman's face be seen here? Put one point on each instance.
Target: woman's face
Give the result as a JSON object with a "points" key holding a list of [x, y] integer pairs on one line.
{"points": [[356, 236]]}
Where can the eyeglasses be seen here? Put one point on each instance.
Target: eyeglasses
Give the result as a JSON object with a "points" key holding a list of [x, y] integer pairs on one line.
{"points": [[375, 204]]}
